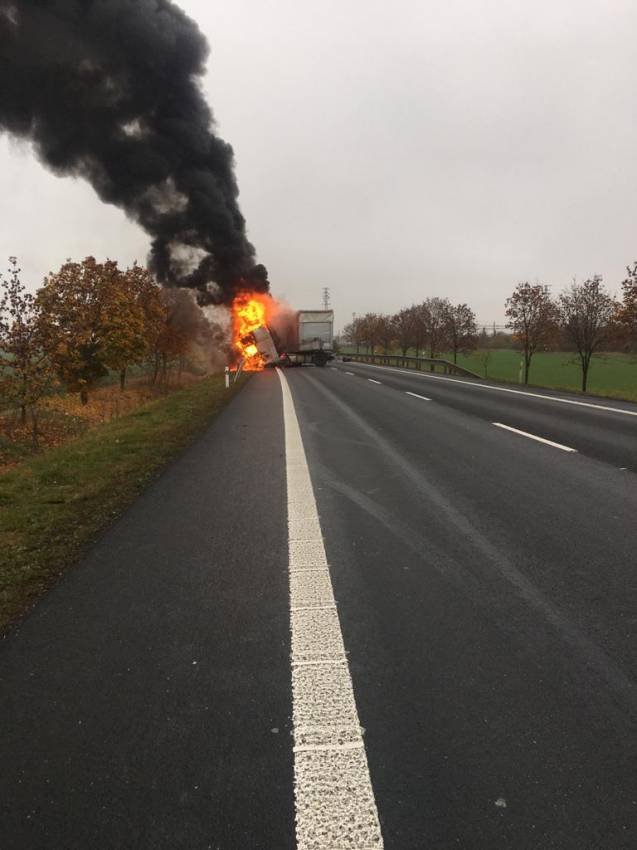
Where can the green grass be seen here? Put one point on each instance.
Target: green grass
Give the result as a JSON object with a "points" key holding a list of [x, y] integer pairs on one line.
{"points": [[612, 375], [53, 505]]}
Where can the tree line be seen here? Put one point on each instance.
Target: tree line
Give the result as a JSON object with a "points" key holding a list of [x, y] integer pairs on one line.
{"points": [[432, 327], [87, 320], [584, 317]]}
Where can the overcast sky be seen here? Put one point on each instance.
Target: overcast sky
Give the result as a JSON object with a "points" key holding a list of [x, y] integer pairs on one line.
{"points": [[396, 150]]}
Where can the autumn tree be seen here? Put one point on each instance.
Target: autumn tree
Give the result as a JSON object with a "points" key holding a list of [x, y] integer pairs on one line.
{"points": [[370, 330], [420, 316], [74, 302], [349, 334], [461, 329], [386, 334], [26, 372], [133, 321], [172, 340], [531, 314], [586, 313], [185, 326], [405, 332], [98, 317], [435, 312], [354, 333], [627, 311]]}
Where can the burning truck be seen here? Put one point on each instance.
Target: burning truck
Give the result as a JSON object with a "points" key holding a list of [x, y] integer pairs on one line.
{"points": [[265, 335]]}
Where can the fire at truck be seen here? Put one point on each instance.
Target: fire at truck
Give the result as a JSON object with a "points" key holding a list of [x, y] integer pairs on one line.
{"points": [[308, 335]]}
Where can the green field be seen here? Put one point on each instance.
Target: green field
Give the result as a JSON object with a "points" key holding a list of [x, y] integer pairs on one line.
{"points": [[53, 505], [611, 375]]}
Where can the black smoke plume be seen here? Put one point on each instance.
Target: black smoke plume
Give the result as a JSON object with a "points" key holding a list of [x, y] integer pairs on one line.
{"points": [[109, 90]]}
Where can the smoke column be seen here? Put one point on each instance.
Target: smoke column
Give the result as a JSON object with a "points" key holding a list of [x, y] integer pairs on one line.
{"points": [[109, 90]]}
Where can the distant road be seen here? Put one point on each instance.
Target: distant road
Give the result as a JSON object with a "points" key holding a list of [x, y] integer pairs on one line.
{"points": [[481, 546], [601, 428]]}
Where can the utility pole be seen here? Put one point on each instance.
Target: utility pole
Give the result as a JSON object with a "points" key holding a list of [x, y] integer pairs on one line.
{"points": [[326, 298]]}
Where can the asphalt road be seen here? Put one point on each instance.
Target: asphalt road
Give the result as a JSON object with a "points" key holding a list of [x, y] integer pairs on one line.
{"points": [[487, 599], [146, 700], [598, 427]]}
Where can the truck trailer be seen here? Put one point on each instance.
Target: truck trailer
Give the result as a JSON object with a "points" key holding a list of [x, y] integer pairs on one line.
{"points": [[308, 339], [313, 338]]}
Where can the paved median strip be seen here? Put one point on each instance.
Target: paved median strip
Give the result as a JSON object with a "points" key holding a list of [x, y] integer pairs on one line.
{"points": [[334, 800], [535, 437]]}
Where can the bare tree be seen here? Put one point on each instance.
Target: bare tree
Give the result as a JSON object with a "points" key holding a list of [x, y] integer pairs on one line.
{"points": [[461, 329], [627, 310], [386, 332], [435, 312], [404, 323], [371, 330], [586, 314], [532, 316], [420, 319], [354, 333]]}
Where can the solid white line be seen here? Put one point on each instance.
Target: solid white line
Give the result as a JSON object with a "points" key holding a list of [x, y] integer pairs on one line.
{"points": [[335, 805], [318, 748], [415, 395], [307, 730], [504, 389], [372, 381], [533, 437]]}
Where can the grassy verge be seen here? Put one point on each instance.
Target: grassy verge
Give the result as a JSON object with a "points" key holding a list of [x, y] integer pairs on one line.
{"points": [[62, 417], [53, 505]]}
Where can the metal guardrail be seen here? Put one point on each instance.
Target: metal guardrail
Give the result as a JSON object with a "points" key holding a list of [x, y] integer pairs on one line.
{"points": [[448, 367]]}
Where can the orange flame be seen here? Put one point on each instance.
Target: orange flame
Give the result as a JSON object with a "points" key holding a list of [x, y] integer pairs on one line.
{"points": [[249, 312]]}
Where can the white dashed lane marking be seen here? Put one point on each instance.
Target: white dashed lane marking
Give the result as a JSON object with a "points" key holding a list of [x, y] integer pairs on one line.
{"points": [[415, 395], [534, 437], [372, 381], [349, 373], [526, 393], [335, 805]]}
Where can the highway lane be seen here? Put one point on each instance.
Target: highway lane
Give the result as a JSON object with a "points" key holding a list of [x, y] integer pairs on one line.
{"points": [[145, 702], [606, 430], [488, 601], [487, 605]]}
